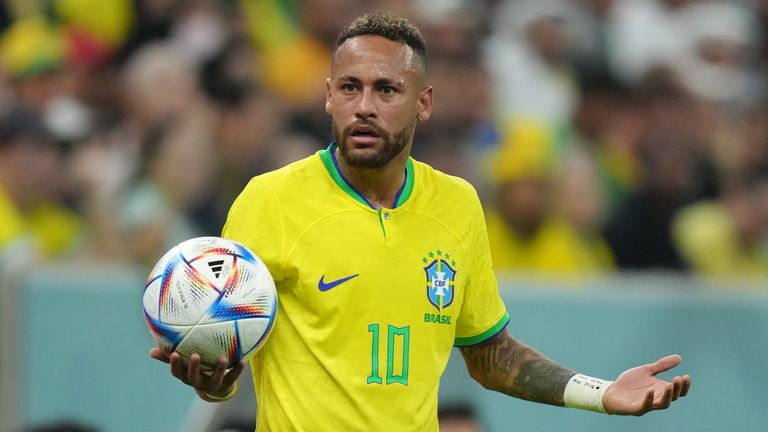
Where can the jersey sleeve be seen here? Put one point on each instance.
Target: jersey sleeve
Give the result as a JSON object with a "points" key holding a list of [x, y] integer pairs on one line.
{"points": [[483, 313], [255, 221]]}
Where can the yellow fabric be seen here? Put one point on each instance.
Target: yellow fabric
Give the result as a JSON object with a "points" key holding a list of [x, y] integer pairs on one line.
{"points": [[269, 23], [707, 239], [295, 69], [30, 46], [293, 62], [527, 151], [367, 354], [555, 249], [55, 228], [619, 171], [12, 223], [52, 228], [22, 8], [107, 20]]}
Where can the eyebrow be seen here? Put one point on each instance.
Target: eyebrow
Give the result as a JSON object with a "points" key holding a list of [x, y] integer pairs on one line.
{"points": [[378, 82]]}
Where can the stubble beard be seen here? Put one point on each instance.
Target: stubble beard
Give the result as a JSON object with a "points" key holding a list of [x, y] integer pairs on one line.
{"points": [[393, 145]]}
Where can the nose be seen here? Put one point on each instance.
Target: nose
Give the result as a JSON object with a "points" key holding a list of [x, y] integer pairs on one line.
{"points": [[366, 106]]}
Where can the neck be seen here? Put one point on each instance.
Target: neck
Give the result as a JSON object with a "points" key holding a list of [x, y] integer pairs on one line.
{"points": [[379, 185]]}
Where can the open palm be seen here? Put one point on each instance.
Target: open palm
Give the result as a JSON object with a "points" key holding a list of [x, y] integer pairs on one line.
{"points": [[637, 390]]}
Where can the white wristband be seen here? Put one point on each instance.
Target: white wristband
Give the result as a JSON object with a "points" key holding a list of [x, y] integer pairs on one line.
{"points": [[585, 392]]}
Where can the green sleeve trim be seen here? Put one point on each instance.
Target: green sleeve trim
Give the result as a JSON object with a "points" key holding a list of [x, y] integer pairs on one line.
{"points": [[482, 337]]}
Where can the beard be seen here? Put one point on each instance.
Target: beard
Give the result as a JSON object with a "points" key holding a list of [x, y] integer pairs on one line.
{"points": [[393, 145]]}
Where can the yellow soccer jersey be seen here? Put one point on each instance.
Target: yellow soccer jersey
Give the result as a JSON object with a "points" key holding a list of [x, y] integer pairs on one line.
{"points": [[370, 302]]}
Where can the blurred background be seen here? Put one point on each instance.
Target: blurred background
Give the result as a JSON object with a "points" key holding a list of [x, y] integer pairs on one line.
{"points": [[620, 148]]}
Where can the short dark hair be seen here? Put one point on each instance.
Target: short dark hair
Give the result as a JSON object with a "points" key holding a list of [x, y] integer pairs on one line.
{"points": [[386, 25], [456, 410], [19, 121]]}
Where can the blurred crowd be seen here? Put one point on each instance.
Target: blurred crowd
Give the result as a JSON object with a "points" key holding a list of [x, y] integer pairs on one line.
{"points": [[601, 135]]}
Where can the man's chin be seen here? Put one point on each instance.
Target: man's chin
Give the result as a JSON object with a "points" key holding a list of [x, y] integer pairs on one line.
{"points": [[354, 154], [368, 161]]}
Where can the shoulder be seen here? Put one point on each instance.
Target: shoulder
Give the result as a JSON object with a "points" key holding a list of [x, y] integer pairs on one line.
{"points": [[449, 201], [437, 182], [284, 184], [266, 192], [295, 172]]}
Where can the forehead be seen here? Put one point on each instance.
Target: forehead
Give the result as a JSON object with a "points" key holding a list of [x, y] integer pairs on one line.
{"points": [[374, 55]]}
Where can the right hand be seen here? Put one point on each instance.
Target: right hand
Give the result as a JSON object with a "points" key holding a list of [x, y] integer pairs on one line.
{"points": [[216, 383]]}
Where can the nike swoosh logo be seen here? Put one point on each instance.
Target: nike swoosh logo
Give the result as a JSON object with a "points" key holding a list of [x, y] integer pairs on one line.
{"points": [[325, 286]]}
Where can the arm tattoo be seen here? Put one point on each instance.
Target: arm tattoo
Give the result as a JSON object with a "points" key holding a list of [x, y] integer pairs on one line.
{"points": [[508, 366]]}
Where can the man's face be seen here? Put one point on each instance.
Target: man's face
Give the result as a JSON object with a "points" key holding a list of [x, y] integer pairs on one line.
{"points": [[375, 96]]}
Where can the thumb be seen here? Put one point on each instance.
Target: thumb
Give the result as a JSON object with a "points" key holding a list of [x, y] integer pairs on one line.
{"points": [[158, 354], [665, 364]]}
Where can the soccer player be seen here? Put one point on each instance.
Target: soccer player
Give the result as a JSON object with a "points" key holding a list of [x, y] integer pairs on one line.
{"points": [[382, 266]]}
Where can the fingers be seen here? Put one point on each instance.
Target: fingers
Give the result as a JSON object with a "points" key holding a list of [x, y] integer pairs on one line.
{"points": [[686, 385], [666, 398], [177, 367], [678, 384], [647, 403], [665, 364], [233, 374], [218, 372], [158, 354], [193, 371]]}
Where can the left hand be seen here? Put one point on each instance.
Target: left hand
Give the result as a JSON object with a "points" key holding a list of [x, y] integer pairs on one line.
{"points": [[637, 390]]}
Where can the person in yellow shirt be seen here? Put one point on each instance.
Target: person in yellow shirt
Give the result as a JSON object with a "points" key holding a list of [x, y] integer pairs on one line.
{"points": [[31, 223], [728, 237], [544, 222], [382, 266]]}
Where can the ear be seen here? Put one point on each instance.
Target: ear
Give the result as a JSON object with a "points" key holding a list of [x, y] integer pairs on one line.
{"points": [[328, 104], [424, 105]]}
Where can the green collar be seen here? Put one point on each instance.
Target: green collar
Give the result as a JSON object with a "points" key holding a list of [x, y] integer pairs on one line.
{"points": [[329, 160]]}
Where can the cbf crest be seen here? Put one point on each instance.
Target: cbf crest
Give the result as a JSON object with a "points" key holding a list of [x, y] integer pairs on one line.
{"points": [[441, 274]]}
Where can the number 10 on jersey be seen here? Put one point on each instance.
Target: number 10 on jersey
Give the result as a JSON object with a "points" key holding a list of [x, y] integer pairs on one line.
{"points": [[397, 344]]}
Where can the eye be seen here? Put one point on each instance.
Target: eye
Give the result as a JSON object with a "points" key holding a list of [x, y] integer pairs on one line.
{"points": [[348, 88], [387, 90]]}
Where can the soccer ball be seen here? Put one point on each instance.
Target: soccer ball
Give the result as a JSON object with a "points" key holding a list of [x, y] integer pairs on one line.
{"points": [[210, 296]]}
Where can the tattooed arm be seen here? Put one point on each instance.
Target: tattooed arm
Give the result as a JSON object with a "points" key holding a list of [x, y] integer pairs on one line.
{"points": [[505, 365], [508, 366]]}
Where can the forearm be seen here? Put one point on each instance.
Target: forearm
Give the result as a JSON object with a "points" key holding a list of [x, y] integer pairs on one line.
{"points": [[503, 364]]}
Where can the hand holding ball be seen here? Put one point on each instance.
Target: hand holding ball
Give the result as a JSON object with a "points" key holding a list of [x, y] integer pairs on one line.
{"points": [[210, 296]]}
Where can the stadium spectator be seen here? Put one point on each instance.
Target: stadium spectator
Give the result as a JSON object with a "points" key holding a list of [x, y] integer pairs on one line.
{"points": [[530, 229], [35, 224], [177, 166], [726, 237], [639, 232], [528, 55], [458, 417]]}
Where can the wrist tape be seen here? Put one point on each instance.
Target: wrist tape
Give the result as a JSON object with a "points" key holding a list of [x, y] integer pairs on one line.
{"points": [[586, 392]]}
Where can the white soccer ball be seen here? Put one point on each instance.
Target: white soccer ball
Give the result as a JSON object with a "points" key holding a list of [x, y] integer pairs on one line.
{"points": [[210, 296]]}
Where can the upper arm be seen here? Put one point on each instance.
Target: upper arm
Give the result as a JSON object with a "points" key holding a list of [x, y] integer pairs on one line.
{"points": [[483, 313], [256, 221]]}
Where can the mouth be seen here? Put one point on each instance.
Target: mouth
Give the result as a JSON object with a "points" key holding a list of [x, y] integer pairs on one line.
{"points": [[364, 134]]}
